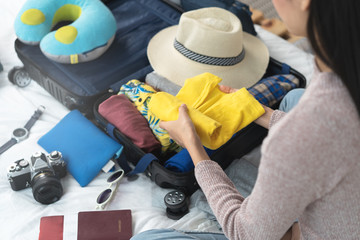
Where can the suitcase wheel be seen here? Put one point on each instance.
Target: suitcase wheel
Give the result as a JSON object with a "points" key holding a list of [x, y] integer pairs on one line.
{"points": [[177, 204], [19, 76]]}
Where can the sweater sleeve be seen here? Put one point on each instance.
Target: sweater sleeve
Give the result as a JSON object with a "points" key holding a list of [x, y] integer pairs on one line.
{"points": [[275, 117]]}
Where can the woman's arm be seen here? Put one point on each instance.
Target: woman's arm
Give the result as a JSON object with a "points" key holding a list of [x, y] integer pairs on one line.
{"points": [[183, 132], [264, 215], [264, 120]]}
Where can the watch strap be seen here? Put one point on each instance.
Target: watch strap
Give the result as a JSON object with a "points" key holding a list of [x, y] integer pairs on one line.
{"points": [[34, 117], [7, 145], [27, 126]]}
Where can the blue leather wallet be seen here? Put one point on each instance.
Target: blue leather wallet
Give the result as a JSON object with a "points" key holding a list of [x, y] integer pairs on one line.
{"points": [[85, 148]]}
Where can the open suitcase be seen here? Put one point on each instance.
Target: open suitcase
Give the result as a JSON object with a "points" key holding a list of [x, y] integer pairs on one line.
{"points": [[239, 145], [84, 86]]}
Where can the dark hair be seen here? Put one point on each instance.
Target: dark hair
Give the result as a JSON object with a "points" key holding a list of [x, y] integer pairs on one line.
{"points": [[334, 33]]}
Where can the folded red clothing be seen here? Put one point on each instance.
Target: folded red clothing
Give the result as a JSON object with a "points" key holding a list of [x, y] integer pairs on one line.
{"points": [[119, 111]]}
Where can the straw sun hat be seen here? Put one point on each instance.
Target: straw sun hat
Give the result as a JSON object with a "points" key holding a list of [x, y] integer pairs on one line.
{"points": [[208, 40]]}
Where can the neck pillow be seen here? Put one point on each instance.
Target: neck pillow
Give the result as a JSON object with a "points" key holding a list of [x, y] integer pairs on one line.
{"points": [[91, 32]]}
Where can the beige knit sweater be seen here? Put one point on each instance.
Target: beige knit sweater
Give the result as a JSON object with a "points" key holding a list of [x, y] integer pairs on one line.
{"points": [[309, 170]]}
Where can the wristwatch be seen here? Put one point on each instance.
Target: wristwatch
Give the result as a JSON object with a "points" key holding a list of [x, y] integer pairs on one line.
{"points": [[22, 133]]}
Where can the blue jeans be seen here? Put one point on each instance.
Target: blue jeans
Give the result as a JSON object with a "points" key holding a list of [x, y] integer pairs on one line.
{"points": [[288, 102], [291, 99], [166, 234]]}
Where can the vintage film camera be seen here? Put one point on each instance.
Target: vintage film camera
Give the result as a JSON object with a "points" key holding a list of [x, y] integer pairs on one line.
{"points": [[42, 174]]}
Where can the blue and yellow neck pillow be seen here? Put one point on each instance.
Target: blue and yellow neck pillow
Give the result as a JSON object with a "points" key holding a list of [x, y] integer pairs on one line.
{"points": [[91, 32]]}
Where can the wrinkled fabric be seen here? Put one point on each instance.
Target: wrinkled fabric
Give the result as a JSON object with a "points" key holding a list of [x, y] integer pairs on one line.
{"points": [[182, 162], [166, 107], [271, 90], [161, 83], [140, 94], [119, 111], [268, 91], [233, 111]]}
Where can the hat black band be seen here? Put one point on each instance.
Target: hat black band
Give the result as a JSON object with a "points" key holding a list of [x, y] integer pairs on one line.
{"points": [[218, 61]]}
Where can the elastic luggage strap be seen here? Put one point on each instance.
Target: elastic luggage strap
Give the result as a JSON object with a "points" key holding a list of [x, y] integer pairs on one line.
{"points": [[140, 167], [110, 130]]}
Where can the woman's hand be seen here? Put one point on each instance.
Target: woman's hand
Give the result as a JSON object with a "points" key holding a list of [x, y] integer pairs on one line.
{"points": [[227, 89], [181, 130], [184, 133]]}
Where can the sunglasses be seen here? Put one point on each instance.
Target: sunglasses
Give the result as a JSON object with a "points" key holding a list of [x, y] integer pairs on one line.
{"points": [[106, 195]]}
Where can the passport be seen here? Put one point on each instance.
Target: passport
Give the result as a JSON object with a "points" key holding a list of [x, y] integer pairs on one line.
{"points": [[51, 228], [105, 225]]}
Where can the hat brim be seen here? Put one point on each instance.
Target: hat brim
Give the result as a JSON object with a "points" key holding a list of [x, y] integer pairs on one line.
{"points": [[171, 64]]}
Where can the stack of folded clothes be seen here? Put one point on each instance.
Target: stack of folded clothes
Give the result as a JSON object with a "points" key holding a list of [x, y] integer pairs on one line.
{"points": [[139, 107]]}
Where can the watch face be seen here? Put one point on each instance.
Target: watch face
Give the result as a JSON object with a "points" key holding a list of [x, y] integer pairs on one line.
{"points": [[20, 133]]}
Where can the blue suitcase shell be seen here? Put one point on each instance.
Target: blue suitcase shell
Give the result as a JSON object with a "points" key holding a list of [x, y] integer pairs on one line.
{"points": [[78, 86]]}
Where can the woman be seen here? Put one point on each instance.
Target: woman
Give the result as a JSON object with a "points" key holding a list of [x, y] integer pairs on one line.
{"points": [[310, 166]]}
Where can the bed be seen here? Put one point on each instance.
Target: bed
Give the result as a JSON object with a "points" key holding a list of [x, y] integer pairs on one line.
{"points": [[21, 214]]}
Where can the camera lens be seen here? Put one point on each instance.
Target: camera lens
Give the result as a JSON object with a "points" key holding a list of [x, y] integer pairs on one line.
{"points": [[46, 188]]}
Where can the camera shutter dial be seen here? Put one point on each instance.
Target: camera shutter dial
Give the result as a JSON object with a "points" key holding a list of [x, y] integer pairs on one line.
{"points": [[55, 155], [23, 163]]}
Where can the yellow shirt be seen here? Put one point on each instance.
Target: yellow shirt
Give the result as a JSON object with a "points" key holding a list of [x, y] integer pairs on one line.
{"points": [[216, 115]]}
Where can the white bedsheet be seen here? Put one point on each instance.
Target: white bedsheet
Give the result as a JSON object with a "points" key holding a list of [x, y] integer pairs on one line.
{"points": [[20, 213]]}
